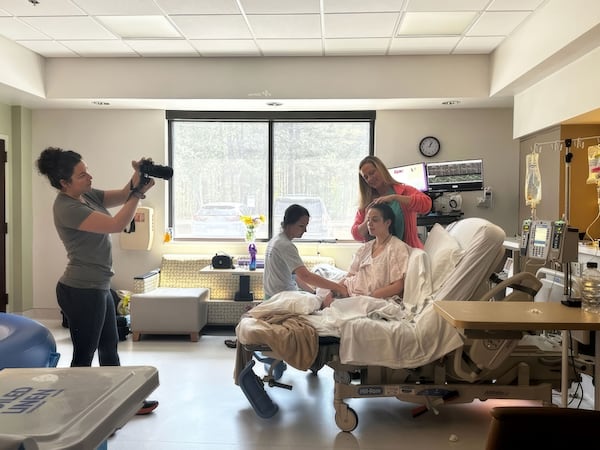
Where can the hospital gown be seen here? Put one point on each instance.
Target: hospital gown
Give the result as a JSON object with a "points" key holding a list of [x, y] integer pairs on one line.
{"points": [[367, 274]]}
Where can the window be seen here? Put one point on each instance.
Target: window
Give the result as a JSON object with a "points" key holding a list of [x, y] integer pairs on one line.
{"points": [[232, 164]]}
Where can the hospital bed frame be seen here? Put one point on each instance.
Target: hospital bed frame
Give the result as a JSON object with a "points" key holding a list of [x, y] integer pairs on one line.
{"points": [[513, 364]]}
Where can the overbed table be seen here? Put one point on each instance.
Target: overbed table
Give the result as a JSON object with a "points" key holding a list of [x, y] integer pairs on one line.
{"points": [[492, 316]]}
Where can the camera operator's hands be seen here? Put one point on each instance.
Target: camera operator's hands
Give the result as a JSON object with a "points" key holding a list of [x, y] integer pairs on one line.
{"points": [[136, 180]]}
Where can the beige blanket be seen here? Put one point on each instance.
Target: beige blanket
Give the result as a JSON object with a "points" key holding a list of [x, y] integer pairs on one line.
{"points": [[288, 335]]}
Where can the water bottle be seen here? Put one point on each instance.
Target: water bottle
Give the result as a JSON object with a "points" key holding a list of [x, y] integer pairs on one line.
{"points": [[590, 288]]}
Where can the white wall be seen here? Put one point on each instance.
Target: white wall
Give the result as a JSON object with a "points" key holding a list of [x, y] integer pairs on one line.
{"points": [[109, 140], [464, 134]]}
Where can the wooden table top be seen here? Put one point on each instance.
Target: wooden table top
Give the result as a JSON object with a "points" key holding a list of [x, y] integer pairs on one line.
{"points": [[478, 315]]}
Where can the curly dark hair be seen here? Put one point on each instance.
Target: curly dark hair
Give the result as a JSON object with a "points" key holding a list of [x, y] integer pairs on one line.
{"points": [[57, 164]]}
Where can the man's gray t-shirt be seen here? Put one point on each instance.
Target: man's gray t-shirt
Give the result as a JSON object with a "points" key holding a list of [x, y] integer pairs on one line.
{"points": [[89, 254], [281, 259]]}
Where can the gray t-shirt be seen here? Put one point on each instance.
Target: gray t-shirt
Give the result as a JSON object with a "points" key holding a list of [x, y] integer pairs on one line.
{"points": [[281, 260], [89, 254]]}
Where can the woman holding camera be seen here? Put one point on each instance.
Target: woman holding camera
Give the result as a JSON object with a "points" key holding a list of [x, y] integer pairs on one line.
{"points": [[84, 225]]}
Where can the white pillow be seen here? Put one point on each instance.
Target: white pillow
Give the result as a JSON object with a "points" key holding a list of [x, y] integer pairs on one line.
{"points": [[444, 254]]}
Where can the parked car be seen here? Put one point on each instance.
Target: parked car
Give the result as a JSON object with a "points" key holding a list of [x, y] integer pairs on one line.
{"points": [[220, 219], [318, 227]]}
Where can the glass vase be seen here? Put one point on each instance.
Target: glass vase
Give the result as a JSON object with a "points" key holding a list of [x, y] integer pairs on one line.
{"points": [[250, 235]]}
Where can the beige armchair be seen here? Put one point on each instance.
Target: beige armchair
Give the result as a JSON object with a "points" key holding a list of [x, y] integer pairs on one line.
{"points": [[170, 300]]}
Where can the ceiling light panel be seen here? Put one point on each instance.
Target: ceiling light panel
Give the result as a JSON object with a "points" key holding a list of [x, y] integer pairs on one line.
{"points": [[302, 26], [69, 28], [435, 23], [213, 26], [140, 27], [368, 25]]}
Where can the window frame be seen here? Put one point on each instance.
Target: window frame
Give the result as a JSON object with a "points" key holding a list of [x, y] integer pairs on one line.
{"points": [[270, 117]]}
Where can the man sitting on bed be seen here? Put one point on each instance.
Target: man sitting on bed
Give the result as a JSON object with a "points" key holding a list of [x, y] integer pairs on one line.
{"points": [[379, 266]]}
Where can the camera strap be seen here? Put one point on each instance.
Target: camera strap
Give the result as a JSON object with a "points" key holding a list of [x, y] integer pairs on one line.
{"points": [[131, 227]]}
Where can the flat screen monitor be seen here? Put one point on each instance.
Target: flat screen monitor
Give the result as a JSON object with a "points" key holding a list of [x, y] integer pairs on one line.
{"points": [[414, 175], [455, 176]]}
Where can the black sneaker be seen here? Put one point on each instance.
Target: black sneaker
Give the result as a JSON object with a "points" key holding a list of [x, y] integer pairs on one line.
{"points": [[231, 343], [147, 407]]}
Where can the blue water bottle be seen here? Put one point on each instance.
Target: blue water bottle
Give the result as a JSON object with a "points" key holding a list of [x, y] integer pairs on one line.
{"points": [[252, 251]]}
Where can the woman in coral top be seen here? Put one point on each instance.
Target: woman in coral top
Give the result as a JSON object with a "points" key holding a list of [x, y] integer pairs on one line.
{"points": [[376, 185]]}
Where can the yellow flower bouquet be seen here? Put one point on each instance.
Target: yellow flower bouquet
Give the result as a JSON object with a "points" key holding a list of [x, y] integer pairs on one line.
{"points": [[252, 223]]}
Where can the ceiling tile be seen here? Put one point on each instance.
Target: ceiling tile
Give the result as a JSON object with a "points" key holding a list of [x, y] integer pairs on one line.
{"points": [[514, 5], [64, 28], [229, 47], [497, 23], [293, 47], [373, 46], [213, 26], [49, 49], [299, 26], [15, 29], [115, 48], [420, 45], [368, 25], [117, 7], [478, 44], [454, 5], [156, 47], [199, 6], [435, 23], [44, 8], [280, 6], [359, 6], [140, 26]]}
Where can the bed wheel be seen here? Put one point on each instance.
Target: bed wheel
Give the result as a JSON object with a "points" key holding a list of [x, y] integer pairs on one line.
{"points": [[346, 418]]}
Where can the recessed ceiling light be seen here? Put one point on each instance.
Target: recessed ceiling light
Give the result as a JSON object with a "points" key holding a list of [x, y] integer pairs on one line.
{"points": [[451, 102], [100, 103], [274, 104]]}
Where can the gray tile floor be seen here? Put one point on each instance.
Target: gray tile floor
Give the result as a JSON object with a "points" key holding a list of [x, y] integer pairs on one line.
{"points": [[201, 408]]}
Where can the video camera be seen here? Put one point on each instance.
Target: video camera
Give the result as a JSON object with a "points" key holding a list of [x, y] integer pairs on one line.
{"points": [[149, 169]]}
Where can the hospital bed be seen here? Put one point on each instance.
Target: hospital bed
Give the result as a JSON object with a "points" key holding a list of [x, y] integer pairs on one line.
{"points": [[406, 350]]}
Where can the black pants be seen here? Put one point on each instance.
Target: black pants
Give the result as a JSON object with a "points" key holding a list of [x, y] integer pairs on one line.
{"points": [[92, 324]]}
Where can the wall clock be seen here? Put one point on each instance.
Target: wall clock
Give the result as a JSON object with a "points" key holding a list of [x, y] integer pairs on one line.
{"points": [[429, 146]]}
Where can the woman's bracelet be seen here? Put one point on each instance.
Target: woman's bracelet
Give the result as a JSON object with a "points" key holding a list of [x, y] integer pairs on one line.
{"points": [[137, 194]]}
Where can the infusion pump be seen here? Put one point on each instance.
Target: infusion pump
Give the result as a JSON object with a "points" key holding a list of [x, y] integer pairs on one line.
{"points": [[544, 242]]}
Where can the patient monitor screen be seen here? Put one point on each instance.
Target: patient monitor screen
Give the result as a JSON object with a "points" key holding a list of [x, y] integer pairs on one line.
{"points": [[414, 175]]}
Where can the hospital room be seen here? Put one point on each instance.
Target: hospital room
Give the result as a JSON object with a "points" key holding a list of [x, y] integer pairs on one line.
{"points": [[240, 109]]}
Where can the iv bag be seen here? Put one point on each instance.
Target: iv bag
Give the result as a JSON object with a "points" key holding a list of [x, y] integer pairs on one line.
{"points": [[533, 180], [594, 164]]}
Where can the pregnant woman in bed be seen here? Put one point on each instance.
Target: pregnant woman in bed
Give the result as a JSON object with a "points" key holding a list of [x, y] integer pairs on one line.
{"points": [[379, 266]]}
